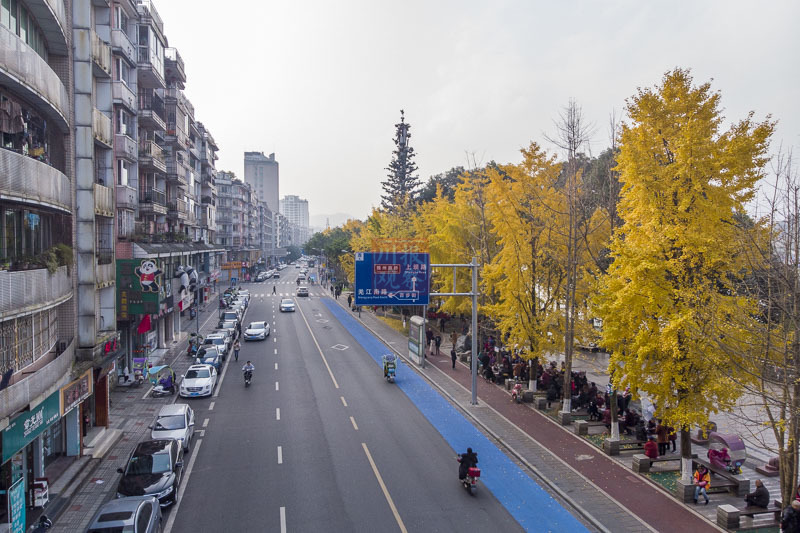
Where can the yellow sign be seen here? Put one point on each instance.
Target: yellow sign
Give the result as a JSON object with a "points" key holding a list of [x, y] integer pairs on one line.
{"points": [[232, 265], [400, 245]]}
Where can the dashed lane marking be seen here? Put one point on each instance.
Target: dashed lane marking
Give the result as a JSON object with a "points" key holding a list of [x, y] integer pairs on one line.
{"points": [[353, 420], [343, 401], [280, 455], [277, 413]]}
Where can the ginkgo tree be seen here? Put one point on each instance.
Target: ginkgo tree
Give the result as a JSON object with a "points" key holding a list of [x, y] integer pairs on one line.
{"points": [[670, 290]]}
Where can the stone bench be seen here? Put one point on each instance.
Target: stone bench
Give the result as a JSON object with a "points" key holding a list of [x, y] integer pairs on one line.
{"points": [[734, 483], [582, 426], [642, 463], [729, 516], [614, 447]]}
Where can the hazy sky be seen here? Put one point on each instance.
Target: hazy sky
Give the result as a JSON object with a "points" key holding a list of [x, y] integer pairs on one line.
{"points": [[321, 82]]}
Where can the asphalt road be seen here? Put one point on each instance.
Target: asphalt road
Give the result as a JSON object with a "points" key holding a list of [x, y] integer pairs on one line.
{"points": [[319, 440]]}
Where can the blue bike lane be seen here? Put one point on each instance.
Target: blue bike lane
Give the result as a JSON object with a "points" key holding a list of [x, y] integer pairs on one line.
{"points": [[525, 500]]}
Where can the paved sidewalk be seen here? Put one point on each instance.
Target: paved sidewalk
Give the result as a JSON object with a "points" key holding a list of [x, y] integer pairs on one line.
{"points": [[132, 410], [610, 495]]}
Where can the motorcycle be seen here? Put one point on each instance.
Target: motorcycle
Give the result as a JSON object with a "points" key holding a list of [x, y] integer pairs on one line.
{"points": [[42, 525], [163, 380], [389, 367], [248, 376], [516, 393], [470, 482]]}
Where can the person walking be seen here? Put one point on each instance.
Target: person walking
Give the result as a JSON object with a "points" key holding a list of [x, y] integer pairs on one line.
{"points": [[454, 338], [662, 437], [453, 357], [438, 342], [274, 291], [236, 348], [349, 301]]}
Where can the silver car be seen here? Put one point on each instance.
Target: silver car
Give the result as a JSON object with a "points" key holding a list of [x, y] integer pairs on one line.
{"points": [[175, 421], [137, 514]]}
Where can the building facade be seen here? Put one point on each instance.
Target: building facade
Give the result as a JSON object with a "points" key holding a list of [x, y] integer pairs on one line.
{"points": [[295, 209], [262, 173]]}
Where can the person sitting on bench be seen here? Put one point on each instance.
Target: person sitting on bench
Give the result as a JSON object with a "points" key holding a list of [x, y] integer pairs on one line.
{"points": [[760, 497], [719, 459], [651, 448]]}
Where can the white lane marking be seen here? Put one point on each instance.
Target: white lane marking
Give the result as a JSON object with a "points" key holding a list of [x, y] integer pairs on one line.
{"points": [[277, 387], [222, 377], [182, 487], [280, 455], [274, 339], [283, 519], [276, 366], [276, 351], [277, 413], [344, 402], [353, 420], [314, 338], [211, 406], [205, 422], [384, 489], [146, 394]]}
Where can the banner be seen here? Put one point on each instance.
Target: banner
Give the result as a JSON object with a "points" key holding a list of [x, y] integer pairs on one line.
{"points": [[16, 506], [30, 424]]}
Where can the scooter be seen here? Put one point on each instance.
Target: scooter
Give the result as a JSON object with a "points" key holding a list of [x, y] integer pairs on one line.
{"points": [[248, 376], [470, 482], [389, 367], [516, 393]]}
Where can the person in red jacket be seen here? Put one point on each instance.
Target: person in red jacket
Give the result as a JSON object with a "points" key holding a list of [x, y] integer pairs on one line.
{"points": [[651, 448]]}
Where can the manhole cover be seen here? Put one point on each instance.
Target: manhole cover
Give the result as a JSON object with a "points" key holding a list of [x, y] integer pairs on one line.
{"points": [[339, 347]]}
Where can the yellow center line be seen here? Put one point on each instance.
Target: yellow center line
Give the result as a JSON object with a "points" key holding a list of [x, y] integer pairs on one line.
{"points": [[314, 338], [384, 489]]}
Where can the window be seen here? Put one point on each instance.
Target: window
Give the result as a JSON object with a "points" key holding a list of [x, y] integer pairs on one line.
{"points": [[13, 21], [5, 19], [143, 519], [122, 172]]}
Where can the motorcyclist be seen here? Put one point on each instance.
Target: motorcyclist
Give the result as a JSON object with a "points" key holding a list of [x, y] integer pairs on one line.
{"points": [[248, 367], [467, 460], [388, 360]]}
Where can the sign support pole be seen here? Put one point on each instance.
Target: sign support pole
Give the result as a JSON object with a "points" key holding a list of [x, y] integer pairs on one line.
{"points": [[474, 343]]}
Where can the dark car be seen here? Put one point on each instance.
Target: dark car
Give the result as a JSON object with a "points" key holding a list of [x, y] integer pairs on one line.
{"points": [[154, 468]]}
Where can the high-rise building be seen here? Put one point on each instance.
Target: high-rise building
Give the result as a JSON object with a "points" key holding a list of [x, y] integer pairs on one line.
{"points": [[295, 209], [262, 173]]}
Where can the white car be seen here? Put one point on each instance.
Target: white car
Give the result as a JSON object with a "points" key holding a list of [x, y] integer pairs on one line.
{"points": [[199, 380], [174, 421], [287, 305], [256, 331], [302, 291], [220, 340]]}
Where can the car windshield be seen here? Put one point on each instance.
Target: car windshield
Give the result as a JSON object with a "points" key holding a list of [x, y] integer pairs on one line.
{"points": [[171, 422], [198, 373], [256, 325], [286, 302], [217, 340], [157, 463]]}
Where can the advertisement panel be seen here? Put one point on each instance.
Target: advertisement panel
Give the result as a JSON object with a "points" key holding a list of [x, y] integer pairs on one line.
{"points": [[16, 506], [77, 391], [30, 424], [139, 283]]}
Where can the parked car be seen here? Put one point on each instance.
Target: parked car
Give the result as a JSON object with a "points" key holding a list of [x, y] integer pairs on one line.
{"points": [[261, 276], [220, 341], [137, 514], [154, 469], [256, 331], [302, 291], [287, 305], [199, 380], [174, 421], [209, 355], [240, 302], [228, 326], [230, 314]]}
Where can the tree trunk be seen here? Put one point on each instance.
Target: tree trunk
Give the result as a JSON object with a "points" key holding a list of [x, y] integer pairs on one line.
{"points": [[686, 455], [614, 415]]}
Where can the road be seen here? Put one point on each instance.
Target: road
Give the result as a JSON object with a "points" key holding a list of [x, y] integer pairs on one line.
{"points": [[319, 440]]}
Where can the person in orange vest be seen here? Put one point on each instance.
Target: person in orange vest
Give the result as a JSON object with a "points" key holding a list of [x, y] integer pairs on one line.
{"points": [[702, 482]]}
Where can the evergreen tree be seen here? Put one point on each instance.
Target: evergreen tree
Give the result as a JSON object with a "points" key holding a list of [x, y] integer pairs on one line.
{"points": [[400, 187]]}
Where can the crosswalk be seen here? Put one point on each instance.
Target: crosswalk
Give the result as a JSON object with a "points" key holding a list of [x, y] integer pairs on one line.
{"points": [[287, 294]]}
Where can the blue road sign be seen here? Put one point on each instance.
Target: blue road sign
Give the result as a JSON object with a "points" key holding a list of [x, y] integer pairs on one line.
{"points": [[389, 278]]}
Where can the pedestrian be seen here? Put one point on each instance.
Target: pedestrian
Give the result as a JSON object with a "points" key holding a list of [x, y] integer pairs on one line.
{"points": [[438, 341], [453, 357], [454, 338], [790, 520], [429, 338], [759, 497], [274, 291], [349, 300], [236, 348], [673, 437], [702, 482], [441, 324], [651, 449], [239, 329], [661, 435]]}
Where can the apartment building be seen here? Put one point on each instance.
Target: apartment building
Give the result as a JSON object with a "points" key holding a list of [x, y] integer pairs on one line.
{"points": [[295, 209], [262, 173]]}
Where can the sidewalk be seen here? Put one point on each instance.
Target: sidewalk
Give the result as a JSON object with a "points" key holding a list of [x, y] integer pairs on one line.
{"points": [[132, 410], [607, 494]]}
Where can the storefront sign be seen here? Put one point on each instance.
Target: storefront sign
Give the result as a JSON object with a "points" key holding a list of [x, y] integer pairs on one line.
{"points": [[139, 283], [30, 424], [77, 391], [16, 506], [231, 265]]}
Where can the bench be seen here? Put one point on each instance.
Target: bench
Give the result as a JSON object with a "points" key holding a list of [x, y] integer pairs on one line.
{"points": [[614, 447], [729, 516], [582, 426], [642, 463], [736, 484]]}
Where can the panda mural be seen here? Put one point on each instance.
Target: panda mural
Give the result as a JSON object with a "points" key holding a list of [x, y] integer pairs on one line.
{"points": [[148, 273]]}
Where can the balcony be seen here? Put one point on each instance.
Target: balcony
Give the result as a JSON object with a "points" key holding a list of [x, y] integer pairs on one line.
{"points": [[24, 71], [103, 201], [121, 43], [123, 95], [208, 200], [153, 200], [53, 369], [26, 291], [125, 148], [151, 112], [176, 173], [151, 156], [105, 269], [101, 57], [176, 209], [126, 197], [101, 126], [173, 66], [150, 73], [28, 180], [176, 136]]}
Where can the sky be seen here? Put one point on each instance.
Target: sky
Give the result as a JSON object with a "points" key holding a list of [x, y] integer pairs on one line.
{"points": [[321, 83]]}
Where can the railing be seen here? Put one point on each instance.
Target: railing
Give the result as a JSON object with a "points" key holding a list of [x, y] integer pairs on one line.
{"points": [[125, 147], [151, 149], [178, 206], [27, 290], [153, 196], [101, 54], [126, 197], [29, 179], [171, 54], [103, 200], [121, 92], [121, 41], [101, 124], [152, 102]]}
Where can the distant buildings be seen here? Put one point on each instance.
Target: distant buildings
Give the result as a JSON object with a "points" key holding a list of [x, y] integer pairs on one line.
{"points": [[262, 173], [295, 209]]}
